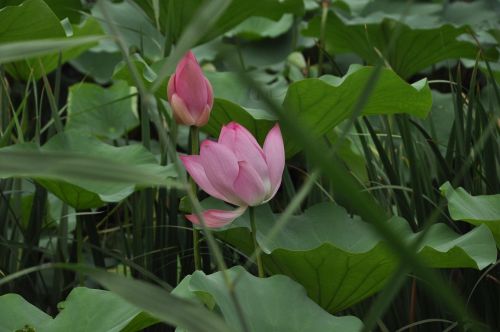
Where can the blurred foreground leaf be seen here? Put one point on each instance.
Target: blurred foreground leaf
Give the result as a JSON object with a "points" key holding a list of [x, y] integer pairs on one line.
{"points": [[28, 49], [84, 172]]}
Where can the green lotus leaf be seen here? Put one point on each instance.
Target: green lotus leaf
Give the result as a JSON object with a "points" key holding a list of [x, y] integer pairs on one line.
{"points": [[321, 104], [83, 171], [275, 304], [173, 16], [406, 49], [16, 313], [340, 259], [84, 310], [36, 33], [104, 112], [318, 104], [476, 210]]}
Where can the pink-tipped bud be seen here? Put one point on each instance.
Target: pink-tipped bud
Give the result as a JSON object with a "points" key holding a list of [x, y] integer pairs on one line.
{"points": [[190, 93]]}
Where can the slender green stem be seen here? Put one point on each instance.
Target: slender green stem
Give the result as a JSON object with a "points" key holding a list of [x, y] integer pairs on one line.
{"points": [[79, 246], [52, 101], [195, 148], [324, 15], [240, 54], [196, 249], [256, 247]]}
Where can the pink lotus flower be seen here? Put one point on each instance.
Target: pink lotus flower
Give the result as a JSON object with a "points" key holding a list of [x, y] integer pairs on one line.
{"points": [[237, 170], [190, 93]]}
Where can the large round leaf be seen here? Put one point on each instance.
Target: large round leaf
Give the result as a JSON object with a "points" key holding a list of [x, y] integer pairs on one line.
{"points": [[98, 64], [229, 86], [476, 210], [33, 20], [407, 50], [107, 191], [70, 9], [91, 310], [104, 112], [275, 304], [83, 171], [341, 260], [135, 28], [157, 302], [318, 104], [84, 310], [261, 27], [16, 313], [321, 104], [173, 16]]}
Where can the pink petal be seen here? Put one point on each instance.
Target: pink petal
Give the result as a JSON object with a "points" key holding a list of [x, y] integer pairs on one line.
{"points": [[195, 169], [171, 87], [221, 168], [275, 157], [190, 84], [181, 112], [245, 147], [217, 218], [204, 117], [248, 185], [210, 93], [188, 57]]}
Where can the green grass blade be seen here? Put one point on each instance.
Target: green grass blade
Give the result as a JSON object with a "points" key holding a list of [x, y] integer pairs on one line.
{"points": [[15, 51], [66, 166]]}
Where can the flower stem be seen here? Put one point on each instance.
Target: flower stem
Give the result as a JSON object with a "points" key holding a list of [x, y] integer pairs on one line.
{"points": [[195, 148], [258, 257]]}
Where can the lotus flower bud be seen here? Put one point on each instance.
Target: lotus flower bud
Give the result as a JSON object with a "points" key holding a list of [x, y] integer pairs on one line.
{"points": [[190, 93]]}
